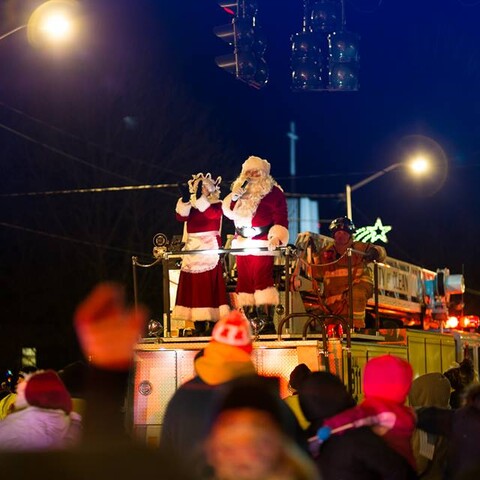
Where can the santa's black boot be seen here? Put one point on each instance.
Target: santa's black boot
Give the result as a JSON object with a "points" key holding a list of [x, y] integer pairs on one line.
{"points": [[265, 313], [249, 311], [208, 328], [200, 328]]}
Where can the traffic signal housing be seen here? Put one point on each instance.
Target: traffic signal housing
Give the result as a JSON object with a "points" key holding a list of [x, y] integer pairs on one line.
{"points": [[243, 33], [325, 57]]}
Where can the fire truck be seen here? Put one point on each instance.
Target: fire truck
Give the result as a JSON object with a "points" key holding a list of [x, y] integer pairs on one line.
{"points": [[410, 316]]}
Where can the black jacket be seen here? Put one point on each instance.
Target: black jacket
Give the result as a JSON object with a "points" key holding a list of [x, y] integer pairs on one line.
{"points": [[360, 454], [462, 428]]}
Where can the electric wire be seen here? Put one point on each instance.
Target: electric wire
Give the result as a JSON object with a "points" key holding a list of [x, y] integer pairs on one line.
{"points": [[92, 190], [86, 142], [69, 239], [65, 154]]}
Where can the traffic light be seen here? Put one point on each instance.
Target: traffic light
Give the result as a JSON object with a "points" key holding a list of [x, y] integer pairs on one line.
{"points": [[325, 57], [343, 61], [243, 33]]}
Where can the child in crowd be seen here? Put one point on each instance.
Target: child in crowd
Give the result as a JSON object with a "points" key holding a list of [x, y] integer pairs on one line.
{"points": [[386, 383]]}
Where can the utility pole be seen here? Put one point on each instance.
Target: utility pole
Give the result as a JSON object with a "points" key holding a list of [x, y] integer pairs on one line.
{"points": [[293, 169]]}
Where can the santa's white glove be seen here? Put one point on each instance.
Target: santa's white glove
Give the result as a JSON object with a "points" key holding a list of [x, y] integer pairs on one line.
{"points": [[237, 193], [273, 243]]}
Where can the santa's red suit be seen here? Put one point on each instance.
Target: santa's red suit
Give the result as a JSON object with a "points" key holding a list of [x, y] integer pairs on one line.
{"points": [[259, 212], [201, 294]]}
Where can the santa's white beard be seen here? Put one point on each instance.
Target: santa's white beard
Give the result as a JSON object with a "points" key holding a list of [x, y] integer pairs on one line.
{"points": [[256, 189]]}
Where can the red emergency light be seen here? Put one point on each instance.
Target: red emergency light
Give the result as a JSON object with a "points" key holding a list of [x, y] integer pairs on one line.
{"points": [[466, 322], [452, 322], [470, 322]]}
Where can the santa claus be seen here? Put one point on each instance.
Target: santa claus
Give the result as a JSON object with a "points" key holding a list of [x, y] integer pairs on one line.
{"points": [[258, 208]]}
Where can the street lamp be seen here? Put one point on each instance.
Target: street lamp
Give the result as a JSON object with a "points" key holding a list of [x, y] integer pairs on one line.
{"points": [[51, 22], [418, 165]]}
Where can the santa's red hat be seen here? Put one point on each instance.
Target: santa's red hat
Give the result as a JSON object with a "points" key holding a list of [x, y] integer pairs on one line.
{"points": [[43, 389]]}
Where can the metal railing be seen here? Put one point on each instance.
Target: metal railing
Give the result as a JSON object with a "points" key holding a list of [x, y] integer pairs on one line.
{"points": [[164, 255]]}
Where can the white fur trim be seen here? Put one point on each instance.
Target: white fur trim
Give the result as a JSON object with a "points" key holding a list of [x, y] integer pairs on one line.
{"points": [[178, 324], [202, 203], [245, 299], [280, 232], [267, 296], [182, 208], [199, 314], [227, 211], [239, 220], [256, 163]]}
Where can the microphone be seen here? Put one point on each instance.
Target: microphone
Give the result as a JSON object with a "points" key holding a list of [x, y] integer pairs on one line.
{"points": [[244, 185]]}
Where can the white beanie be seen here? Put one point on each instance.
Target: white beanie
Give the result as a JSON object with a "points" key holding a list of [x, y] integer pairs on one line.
{"points": [[256, 163]]}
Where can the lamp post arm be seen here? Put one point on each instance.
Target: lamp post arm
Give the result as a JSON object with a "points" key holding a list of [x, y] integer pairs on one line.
{"points": [[11, 32], [350, 188], [375, 175]]}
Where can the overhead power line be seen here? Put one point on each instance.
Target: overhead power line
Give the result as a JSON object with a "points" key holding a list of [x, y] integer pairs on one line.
{"points": [[70, 239], [92, 190], [65, 154], [87, 142], [146, 187]]}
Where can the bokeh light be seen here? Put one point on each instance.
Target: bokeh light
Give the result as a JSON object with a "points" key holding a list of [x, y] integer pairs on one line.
{"points": [[58, 26], [427, 163], [54, 23], [419, 164]]}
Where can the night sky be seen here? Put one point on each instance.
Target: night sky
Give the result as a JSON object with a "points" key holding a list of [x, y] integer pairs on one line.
{"points": [[139, 100]]}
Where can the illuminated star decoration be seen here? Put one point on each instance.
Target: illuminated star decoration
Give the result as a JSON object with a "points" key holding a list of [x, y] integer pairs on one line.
{"points": [[373, 234]]}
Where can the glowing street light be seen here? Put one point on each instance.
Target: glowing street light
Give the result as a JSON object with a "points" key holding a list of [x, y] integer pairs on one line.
{"points": [[57, 26], [418, 165], [53, 22]]}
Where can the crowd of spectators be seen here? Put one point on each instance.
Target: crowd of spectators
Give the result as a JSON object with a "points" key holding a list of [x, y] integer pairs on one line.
{"points": [[228, 422]]}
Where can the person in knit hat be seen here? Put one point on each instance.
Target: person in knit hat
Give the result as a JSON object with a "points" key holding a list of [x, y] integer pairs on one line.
{"points": [[43, 417], [461, 428], [225, 358], [357, 454], [430, 450], [386, 383], [258, 208], [227, 355], [107, 329]]}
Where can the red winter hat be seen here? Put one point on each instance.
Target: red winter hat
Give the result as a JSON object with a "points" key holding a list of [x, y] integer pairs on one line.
{"points": [[387, 377], [44, 389], [233, 329]]}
